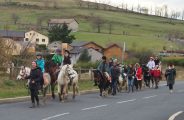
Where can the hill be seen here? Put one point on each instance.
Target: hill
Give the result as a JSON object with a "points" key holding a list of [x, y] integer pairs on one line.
{"points": [[137, 30]]}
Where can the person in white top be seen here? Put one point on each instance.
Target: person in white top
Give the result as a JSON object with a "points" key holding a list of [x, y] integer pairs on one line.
{"points": [[151, 63]]}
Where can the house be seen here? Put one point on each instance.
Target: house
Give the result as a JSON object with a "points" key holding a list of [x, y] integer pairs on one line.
{"points": [[87, 45], [14, 35], [36, 37], [75, 54], [27, 47], [54, 45], [113, 51], [71, 23], [95, 55]]}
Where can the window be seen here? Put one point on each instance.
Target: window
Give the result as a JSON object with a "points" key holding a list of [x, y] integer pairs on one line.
{"points": [[27, 39], [55, 46], [37, 40], [43, 40]]}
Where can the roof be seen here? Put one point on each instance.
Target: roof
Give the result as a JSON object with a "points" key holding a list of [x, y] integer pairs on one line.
{"points": [[112, 45], [9, 33], [78, 43], [77, 50], [61, 21]]}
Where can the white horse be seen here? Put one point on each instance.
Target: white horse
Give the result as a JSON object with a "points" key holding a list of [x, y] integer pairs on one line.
{"points": [[24, 72], [65, 75]]}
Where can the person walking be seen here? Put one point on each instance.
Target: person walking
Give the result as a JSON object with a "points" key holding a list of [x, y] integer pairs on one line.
{"points": [[130, 74], [115, 73], [35, 77], [171, 75], [139, 75]]}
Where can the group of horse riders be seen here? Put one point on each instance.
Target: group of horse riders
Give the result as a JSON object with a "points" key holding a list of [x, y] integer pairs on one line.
{"points": [[135, 74], [39, 77]]}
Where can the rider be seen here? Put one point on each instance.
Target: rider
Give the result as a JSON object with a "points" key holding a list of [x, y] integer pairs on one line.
{"points": [[115, 73], [104, 67], [151, 66], [40, 61], [67, 61], [58, 58]]}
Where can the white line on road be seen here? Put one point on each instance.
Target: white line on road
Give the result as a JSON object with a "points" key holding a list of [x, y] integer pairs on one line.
{"points": [[94, 107], [55, 116], [162, 85], [126, 101], [149, 97], [175, 115]]}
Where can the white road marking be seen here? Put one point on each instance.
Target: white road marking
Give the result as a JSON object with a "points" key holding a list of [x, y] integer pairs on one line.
{"points": [[180, 91], [162, 85], [175, 115], [95, 107], [55, 116], [149, 97], [126, 101]]}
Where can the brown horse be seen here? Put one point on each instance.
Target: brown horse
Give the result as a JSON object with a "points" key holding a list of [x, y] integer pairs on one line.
{"points": [[102, 82], [52, 70]]}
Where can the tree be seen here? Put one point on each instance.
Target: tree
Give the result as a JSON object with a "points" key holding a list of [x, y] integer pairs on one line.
{"points": [[84, 57], [183, 15], [110, 27], [98, 23], [15, 18], [60, 33], [79, 2]]}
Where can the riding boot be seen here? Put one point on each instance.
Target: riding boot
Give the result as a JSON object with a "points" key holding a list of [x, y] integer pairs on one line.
{"points": [[33, 105], [53, 95], [59, 94], [38, 104]]}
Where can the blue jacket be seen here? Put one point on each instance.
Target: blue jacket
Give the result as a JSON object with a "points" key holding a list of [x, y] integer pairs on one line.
{"points": [[106, 67], [41, 64]]}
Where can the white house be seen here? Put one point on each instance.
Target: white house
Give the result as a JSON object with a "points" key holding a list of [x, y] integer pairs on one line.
{"points": [[71, 23], [36, 37], [54, 45]]}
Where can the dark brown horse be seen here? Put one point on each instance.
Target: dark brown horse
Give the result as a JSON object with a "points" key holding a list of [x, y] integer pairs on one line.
{"points": [[102, 82], [52, 68]]}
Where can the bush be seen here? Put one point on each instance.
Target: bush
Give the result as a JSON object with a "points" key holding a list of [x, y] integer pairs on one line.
{"points": [[86, 65], [10, 83], [178, 61]]}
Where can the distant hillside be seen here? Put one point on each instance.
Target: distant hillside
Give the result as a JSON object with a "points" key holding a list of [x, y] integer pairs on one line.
{"points": [[138, 31]]}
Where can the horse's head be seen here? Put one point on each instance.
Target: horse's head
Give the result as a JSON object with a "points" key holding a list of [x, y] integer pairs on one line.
{"points": [[22, 73], [69, 69]]}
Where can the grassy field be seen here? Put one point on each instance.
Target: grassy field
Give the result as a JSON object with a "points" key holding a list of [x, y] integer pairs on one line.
{"points": [[142, 32]]}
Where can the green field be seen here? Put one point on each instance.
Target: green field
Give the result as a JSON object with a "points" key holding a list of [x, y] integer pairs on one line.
{"points": [[142, 31]]}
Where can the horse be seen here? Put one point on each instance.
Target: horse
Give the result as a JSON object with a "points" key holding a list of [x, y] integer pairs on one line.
{"points": [[24, 72], [67, 75], [102, 81], [52, 68]]}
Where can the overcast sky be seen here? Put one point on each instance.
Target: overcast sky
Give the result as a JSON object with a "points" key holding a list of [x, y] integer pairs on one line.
{"points": [[177, 5]]}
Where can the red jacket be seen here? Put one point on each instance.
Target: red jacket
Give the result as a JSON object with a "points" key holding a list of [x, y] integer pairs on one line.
{"points": [[156, 73], [139, 73]]}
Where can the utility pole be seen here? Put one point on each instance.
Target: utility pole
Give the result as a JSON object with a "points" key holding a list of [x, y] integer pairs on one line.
{"points": [[123, 52]]}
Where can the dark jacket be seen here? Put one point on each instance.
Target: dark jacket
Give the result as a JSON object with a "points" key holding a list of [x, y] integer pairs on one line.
{"points": [[130, 72], [170, 75], [66, 60], [115, 72], [37, 76]]}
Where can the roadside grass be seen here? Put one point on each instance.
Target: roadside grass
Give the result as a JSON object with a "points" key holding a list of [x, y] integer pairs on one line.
{"points": [[12, 88]]}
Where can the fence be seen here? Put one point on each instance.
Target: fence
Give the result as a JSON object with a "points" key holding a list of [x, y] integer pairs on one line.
{"points": [[84, 74]]}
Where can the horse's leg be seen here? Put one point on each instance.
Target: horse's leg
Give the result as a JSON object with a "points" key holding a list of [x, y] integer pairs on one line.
{"points": [[100, 87], [52, 89], [59, 92], [74, 88]]}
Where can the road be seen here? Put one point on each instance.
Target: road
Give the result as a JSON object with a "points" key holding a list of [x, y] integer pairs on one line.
{"points": [[148, 104]]}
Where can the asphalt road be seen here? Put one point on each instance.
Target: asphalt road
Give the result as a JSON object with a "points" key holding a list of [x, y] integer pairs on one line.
{"points": [[148, 104]]}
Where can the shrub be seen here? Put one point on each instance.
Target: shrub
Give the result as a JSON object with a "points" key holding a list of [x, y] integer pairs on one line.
{"points": [[86, 65], [10, 83]]}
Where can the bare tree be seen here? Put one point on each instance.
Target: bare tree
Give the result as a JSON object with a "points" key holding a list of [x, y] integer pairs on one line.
{"points": [[110, 27], [98, 23], [46, 3], [55, 4], [79, 2], [15, 18], [183, 15]]}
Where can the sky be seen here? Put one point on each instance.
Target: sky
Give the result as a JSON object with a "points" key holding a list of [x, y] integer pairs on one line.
{"points": [[176, 5]]}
